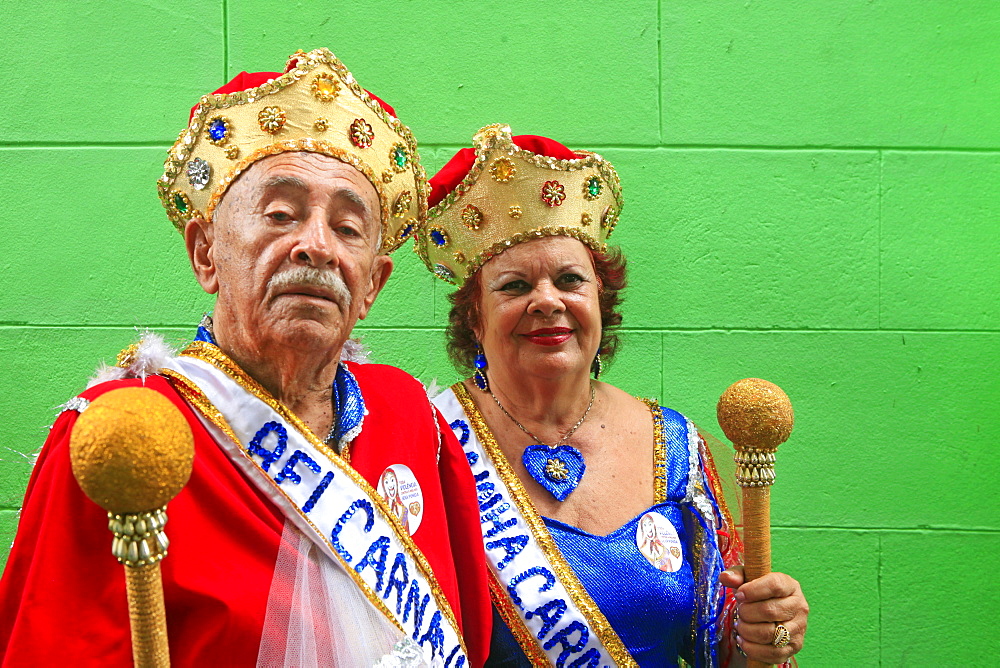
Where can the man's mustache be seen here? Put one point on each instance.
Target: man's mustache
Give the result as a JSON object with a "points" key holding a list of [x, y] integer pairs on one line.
{"points": [[301, 276]]}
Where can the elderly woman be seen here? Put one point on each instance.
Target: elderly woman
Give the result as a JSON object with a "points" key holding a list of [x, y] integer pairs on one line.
{"points": [[602, 515]]}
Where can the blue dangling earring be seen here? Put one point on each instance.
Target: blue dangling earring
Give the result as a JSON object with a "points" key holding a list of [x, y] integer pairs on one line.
{"points": [[479, 377], [597, 367]]}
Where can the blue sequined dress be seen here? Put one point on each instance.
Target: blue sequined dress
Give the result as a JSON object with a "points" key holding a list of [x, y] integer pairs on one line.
{"points": [[663, 604]]}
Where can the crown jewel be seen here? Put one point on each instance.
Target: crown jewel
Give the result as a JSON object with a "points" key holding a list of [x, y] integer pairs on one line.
{"points": [[512, 195], [315, 106]]}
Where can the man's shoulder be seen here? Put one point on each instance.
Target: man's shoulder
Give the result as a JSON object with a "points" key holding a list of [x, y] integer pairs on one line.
{"points": [[153, 382], [157, 383], [383, 378]]}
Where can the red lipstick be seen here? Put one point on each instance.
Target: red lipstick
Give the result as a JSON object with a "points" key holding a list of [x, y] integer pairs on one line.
{"points": [[549, 336]]}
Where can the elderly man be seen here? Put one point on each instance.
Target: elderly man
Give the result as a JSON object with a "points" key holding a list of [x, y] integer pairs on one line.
{"points": [[286, 544]]}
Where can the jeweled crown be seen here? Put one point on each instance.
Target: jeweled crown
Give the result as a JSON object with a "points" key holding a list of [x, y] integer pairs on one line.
{"points": [[315, 106], [512, 195]]}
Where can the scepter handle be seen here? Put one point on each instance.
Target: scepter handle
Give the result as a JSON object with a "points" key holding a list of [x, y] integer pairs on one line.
{"points": [[757, 417], [147, 614], [756, 532], [132, 451]]}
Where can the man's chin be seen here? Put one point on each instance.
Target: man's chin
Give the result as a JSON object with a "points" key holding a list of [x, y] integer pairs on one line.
{"points": [[311, 330]]}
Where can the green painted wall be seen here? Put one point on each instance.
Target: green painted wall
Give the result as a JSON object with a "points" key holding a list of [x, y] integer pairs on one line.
{"points": [[812, 197]]}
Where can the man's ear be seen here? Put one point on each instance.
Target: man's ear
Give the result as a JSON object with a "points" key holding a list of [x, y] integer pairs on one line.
{"points": [[381, 269], [198, 240]]}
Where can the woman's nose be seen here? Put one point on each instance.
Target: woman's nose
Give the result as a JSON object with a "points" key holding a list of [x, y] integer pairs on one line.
{"points": [[546, 300]]}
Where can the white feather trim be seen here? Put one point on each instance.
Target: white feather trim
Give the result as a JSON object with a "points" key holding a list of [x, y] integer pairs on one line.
{"points": [[355, 351], [433, 390], [150, 355]]}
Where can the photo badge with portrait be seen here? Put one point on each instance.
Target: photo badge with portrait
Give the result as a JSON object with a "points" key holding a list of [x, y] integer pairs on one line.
{"points": [[657, 540], [399, 488]]}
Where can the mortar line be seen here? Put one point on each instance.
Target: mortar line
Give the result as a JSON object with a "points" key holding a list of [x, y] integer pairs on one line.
{"points": [[881, 164], [663, 372], [15, 146], [887, 529], [762, 147], [68, 144], [225, 40], [437, 328], [659, 69], [878, 597]]}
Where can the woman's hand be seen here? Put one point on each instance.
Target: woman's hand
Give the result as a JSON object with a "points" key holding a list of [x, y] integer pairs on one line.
{"points": [[761, 605]]}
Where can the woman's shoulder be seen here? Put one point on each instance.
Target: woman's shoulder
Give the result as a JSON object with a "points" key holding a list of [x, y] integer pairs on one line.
{"points": [[620, 400]]}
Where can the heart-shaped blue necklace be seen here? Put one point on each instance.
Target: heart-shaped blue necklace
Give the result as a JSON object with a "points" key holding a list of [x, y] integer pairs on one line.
{"points": [[558, 468]]}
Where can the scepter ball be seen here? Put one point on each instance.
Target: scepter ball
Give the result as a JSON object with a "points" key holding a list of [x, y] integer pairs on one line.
{"points": [[131, 450], [755, 413]]}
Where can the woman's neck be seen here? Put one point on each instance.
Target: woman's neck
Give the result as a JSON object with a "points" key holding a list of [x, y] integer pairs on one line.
{"points": [[548, 407]]}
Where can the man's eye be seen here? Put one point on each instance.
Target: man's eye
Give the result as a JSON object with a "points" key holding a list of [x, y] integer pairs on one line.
{"points": [[348, 231], [279, 216]]}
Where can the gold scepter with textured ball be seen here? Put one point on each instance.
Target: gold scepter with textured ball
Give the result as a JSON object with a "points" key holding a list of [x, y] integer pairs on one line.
{"points": [[131, 451], [757, 417]]}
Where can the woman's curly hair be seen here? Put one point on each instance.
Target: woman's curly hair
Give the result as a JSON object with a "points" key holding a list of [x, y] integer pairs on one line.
{"points": [[464, 315]]}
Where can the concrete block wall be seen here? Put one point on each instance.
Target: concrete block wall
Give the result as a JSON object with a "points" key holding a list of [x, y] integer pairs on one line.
{"points": [[811, 197]]}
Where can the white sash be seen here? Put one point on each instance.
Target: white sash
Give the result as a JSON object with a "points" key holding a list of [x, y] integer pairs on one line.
{"points": [[324, 497], [543, 602]]}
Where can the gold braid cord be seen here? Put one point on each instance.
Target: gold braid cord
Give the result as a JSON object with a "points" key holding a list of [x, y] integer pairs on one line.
{"points": [[757, 531], [147, 615]]}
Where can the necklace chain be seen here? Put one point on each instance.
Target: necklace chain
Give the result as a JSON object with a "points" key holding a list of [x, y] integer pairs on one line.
{"points": [[565, 437]]}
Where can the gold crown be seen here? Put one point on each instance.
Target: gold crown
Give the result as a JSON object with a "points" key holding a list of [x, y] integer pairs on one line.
{"points": [[316, 106], [512, 195]]}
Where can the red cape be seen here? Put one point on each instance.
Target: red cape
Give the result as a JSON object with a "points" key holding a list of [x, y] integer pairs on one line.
{"points": [[62, 596]]}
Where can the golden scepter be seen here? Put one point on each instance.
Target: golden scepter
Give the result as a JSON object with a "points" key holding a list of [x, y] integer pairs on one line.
{"points": [[757, 417], [131, 451]]}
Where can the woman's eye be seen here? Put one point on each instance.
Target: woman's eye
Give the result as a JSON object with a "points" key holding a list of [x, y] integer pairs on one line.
{"points": [[571, 279], [515, 286]]}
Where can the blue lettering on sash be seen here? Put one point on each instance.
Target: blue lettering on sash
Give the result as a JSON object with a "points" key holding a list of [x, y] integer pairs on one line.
{"points": [[498, 527], [590, 659], [434, 634], [459, 663], [485, 490], [561, 637], [495, 514], [364, 504], [530, 573], [380, 546], [512, 546], [494, 500], [466, 432], [550, 613], [288, 472], [399, 583], [414, 604], [268, 457], [318, 492]]}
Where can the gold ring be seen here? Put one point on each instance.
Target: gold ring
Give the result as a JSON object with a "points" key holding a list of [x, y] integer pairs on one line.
{"points": [[781, 636]]}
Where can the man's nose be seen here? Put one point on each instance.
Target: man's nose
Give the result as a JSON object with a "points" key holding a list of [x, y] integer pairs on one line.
{"points": [[315, 243]]}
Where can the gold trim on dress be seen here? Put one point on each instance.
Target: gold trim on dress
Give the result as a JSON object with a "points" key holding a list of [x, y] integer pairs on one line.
{"points": [[659, 452], [596, 619], [206, 352]]}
